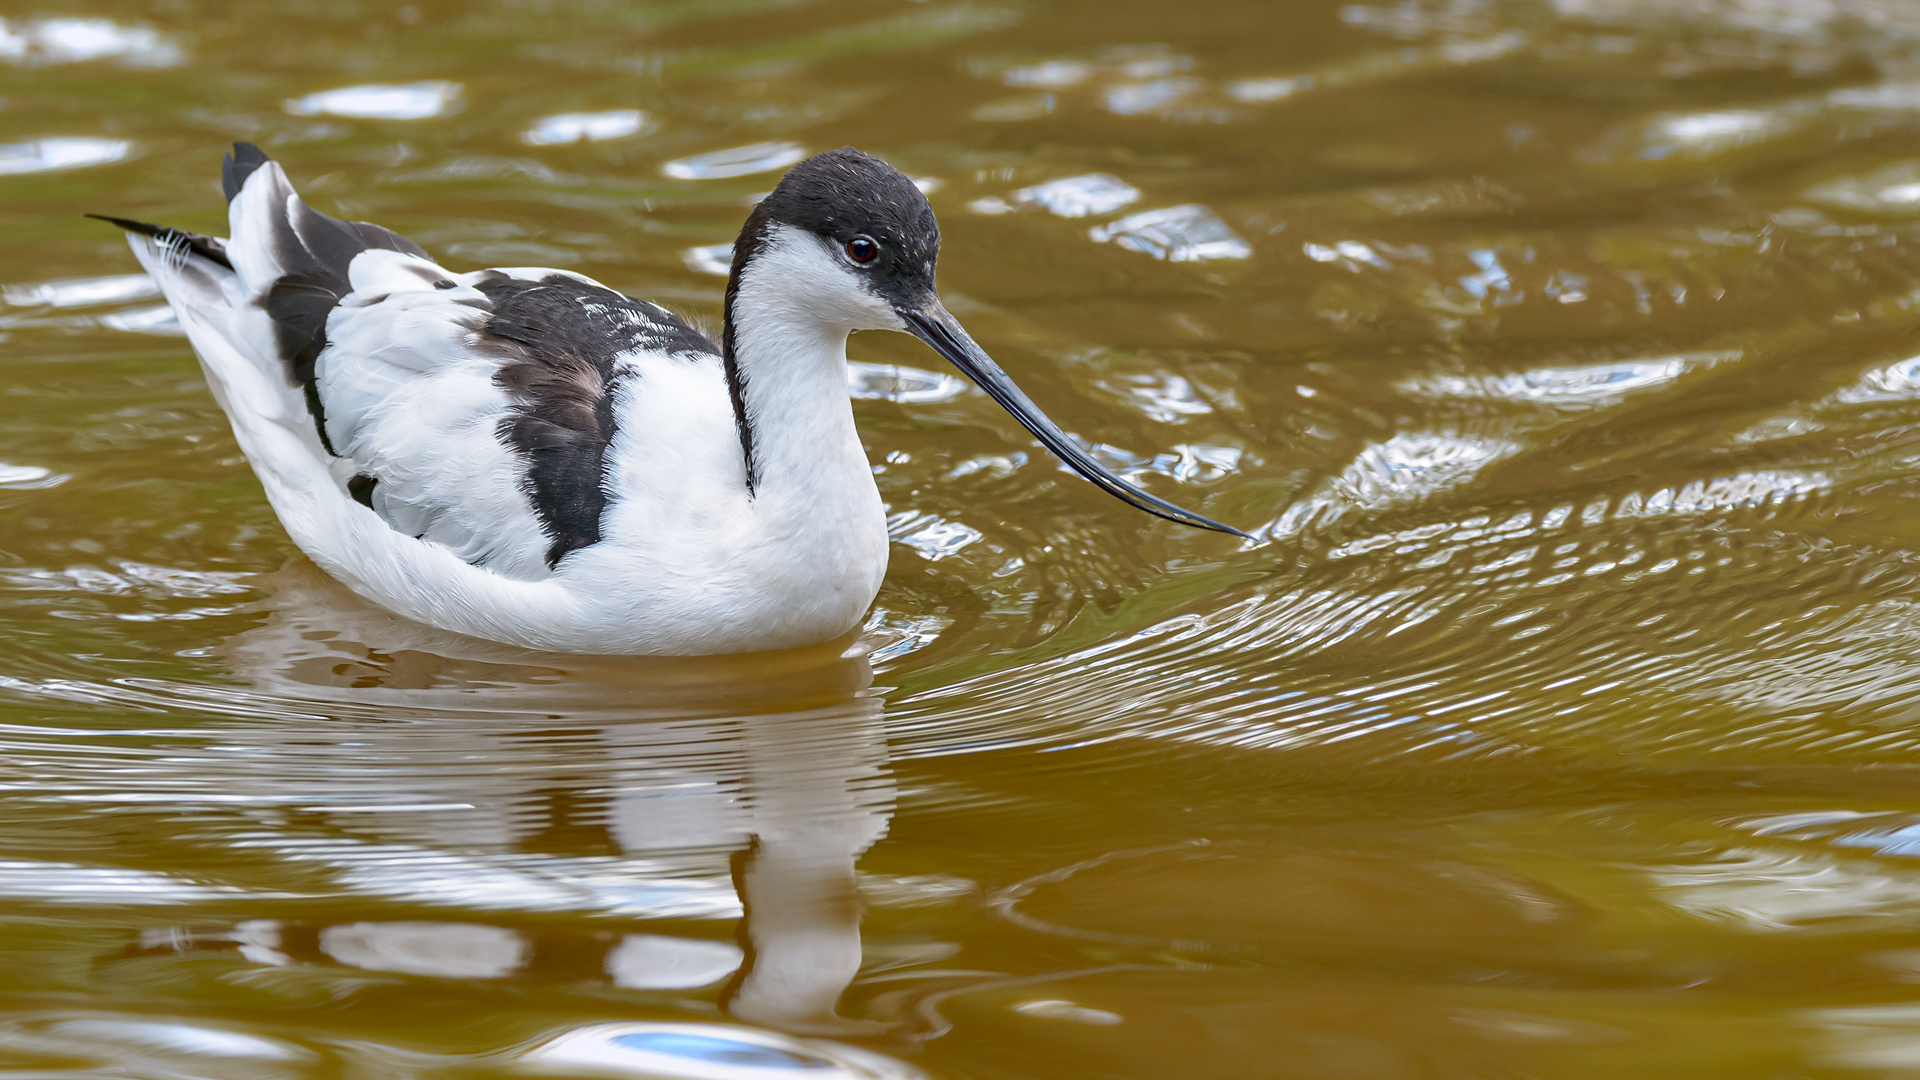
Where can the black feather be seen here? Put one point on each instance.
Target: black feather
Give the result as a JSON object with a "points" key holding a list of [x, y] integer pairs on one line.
{"points": [[361, 488], [569, 337], [210, 248], [237, 166], [315, 250]]}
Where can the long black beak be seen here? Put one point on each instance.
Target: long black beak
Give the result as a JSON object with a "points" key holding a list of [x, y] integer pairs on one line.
{"points": [[935, 326]]}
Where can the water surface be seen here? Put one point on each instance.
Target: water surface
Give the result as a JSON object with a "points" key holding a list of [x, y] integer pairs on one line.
{"points": [[1560, 723]]}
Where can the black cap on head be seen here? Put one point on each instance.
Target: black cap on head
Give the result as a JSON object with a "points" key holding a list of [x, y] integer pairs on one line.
{"points": [[844, 194]]}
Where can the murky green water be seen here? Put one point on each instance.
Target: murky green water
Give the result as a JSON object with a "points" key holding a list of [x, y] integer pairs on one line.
{"points": [[1561, 725]]}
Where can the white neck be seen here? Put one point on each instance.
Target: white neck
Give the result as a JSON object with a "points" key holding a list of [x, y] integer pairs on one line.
{"points": [[816, 549], [790, 317]]}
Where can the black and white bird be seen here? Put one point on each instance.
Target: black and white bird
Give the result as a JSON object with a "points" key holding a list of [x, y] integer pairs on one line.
{"points": [[528, 456]]}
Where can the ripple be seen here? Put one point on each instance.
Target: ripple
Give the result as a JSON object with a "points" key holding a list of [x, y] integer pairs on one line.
{"points": [[1585, 386], [563, 128], [1413, 466], [907, 385], [889, 635], [59, 153], [1764, 891], [37, 42], [1166, 398], [132, 579], [932, 536], [149, 1045], [72, 883], [381, 101], [735, 161], [1895, 382], [1190, 233]]}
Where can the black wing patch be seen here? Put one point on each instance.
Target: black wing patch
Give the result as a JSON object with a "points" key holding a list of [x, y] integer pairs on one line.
{"points": [[570, 335], [315, 251]]}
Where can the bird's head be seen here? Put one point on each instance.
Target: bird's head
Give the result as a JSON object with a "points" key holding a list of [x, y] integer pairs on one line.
{"points": [[848, 240]]}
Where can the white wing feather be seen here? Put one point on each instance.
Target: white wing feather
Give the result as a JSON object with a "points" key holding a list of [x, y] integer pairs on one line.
{"points": [[411, 401]]}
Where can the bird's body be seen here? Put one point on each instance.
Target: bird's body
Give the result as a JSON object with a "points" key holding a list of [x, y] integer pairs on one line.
{"points": [[527, 456]]}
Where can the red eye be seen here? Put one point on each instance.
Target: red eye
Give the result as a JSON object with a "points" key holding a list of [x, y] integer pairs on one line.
{"points": [[862, 250]]}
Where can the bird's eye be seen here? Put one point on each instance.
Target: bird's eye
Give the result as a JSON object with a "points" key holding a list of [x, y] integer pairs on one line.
{"points": [[862, 250]]}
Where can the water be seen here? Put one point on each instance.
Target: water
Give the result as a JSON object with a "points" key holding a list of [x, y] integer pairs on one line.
{"points": [[1559, 724]]}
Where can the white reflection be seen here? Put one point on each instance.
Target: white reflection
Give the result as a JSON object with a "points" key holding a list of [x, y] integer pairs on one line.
{"points": [[1055, 1009], [659, 962], [60, 882], [1169, 399], [72, 41], [60, 153], [707, 1052], [471, 776], [29, 477], [1190, 233], [131, 1044], [81, 292], [715, 259], [1133, 99], [1080, 196], [181, 1037], [1892, 189], [892, 382], [1412, 466], [586, 127], [1051, 75], [932, 536], [1896, 382], [1729, 127], [158, 320], [736, 161], [890, 635], [1255, 91], [1868, 1037], [381, 101], [1764, 890], [450, 950]]}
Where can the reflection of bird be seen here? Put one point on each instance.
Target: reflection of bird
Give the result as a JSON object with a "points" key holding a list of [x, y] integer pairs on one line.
{"points": [[527, 456], [491, 780]]}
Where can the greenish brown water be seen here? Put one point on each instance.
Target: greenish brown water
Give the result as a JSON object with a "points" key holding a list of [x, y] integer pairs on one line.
{"points": [[1563, 723]]}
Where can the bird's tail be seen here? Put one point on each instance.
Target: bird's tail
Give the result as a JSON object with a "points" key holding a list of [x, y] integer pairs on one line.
{"points": [[211, 248]]}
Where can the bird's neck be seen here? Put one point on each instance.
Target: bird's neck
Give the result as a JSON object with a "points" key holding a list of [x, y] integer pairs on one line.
{"points": [[787, 373]]}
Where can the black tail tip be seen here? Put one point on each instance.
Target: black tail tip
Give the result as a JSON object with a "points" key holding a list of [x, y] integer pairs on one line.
{"points": [[129, 224], [237, 166]]}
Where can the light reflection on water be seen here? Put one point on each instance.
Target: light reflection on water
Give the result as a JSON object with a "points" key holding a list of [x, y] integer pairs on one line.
{"points": [[1559, 724]]}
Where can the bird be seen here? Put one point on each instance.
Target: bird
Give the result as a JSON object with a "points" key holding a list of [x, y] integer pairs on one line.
{"points": [[527, 456]]}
